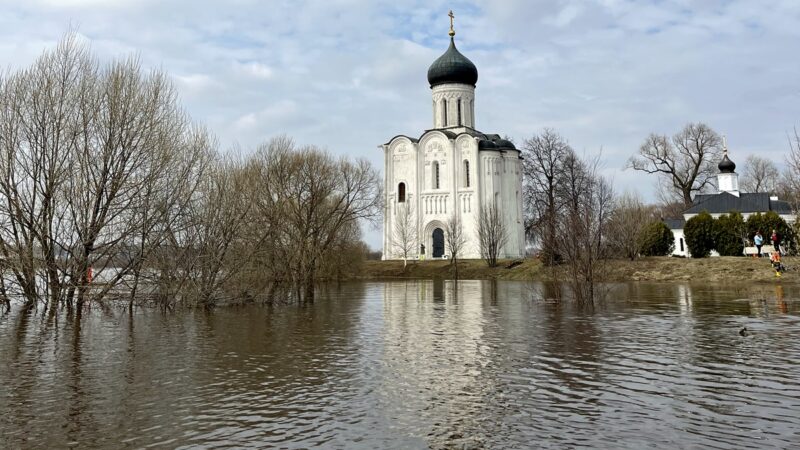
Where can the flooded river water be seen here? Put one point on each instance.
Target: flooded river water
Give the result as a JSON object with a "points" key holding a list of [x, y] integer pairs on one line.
{"points": [[416, 364]]}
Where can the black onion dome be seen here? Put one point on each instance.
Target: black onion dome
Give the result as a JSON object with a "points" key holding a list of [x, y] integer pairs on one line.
{"points": [[503, 143], [486, 145], [726, 165], [452, 67]]}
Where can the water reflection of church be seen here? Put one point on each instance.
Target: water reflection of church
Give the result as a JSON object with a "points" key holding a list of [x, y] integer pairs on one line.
{"points": [[451, 170]]}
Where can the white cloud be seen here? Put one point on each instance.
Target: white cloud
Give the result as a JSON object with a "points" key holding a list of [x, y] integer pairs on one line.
{"points": [[255, 70]]}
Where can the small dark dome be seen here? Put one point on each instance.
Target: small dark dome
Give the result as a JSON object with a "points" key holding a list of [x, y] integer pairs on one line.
{"points": [[486, 145], [503, 143], [726, 165], [452, 67]]}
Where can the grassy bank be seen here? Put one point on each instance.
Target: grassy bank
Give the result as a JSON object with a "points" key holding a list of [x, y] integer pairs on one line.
{"points": [[723, 269]]}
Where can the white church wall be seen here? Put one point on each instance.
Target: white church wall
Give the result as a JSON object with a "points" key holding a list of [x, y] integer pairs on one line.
{"points": [[494, 177], [680, 248], [512, 205], [435, 149], [728, 182]]}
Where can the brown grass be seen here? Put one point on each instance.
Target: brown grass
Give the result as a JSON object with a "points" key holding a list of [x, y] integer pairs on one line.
{"points": [[722, 269]]}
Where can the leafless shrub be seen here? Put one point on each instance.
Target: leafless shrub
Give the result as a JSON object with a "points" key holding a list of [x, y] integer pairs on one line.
{"points": [[588, 199], [492, 233], [404, 232], [454, 239], [629, 216]]}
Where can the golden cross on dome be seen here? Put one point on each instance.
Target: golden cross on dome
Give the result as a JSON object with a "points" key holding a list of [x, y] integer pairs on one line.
{"points": [[452, 16]]}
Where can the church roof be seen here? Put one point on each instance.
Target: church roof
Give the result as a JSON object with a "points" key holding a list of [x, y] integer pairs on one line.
{"points": [[452, 67], [675, 224], [726, 202], [488, 142], [497, 142]]}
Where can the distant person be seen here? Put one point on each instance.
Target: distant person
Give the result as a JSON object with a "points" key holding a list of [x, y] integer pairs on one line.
{"points": [[775, 259], [422, 252], [776, 241], [759, 241]]}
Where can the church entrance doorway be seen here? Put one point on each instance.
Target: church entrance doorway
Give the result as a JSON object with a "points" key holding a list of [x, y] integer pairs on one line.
{"points": [[438, 243]]}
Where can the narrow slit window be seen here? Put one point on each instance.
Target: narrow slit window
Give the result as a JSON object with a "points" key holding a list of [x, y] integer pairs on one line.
{"points": [[436, 175], [466, 173], [401, 193], [444, 112], [458, 105]]}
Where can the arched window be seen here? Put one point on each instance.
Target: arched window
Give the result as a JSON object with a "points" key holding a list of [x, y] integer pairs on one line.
{"points": [[444, 112], [458, 105], [401, 193], [435, 177], [466, 173]]}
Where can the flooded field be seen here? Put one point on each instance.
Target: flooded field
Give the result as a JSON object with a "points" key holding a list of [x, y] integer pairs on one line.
{"points": [[416, 364]]}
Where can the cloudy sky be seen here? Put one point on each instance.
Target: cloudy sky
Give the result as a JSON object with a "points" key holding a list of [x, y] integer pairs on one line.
{"points": [[349, 74]]}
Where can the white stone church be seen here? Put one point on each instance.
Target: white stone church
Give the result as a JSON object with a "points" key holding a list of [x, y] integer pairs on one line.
{"points": [[450, 169]]}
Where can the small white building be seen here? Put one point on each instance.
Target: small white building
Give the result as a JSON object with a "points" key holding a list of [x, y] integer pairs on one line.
{"points": [[728, 198], [451, 169]]}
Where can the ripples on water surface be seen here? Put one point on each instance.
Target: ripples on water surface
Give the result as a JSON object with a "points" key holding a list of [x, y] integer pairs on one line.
{"points": [[415, 365]]}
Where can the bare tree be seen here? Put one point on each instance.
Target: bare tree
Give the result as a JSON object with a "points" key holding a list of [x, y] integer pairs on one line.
{"points": [[588, 199], [39, 111], [543, 169], [671, 209], [686, 162], [100, 168], [218, 218], [82, 144], [759, 175], [404, 231], [161, 211], [492, 233], [628, 218], [312, 197], [789, 183], [454, 239]]}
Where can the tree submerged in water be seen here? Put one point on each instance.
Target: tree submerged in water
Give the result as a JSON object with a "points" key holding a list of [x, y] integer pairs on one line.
{"points": [[110, 191]]}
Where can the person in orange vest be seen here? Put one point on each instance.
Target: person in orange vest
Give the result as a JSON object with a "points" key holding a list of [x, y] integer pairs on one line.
{"points": [[775, 259]]}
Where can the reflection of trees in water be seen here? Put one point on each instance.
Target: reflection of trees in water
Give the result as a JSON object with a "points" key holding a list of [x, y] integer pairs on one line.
{"points": [[569, 351], [81, 425], [442, 364], [178, 375], [17, 374]]}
